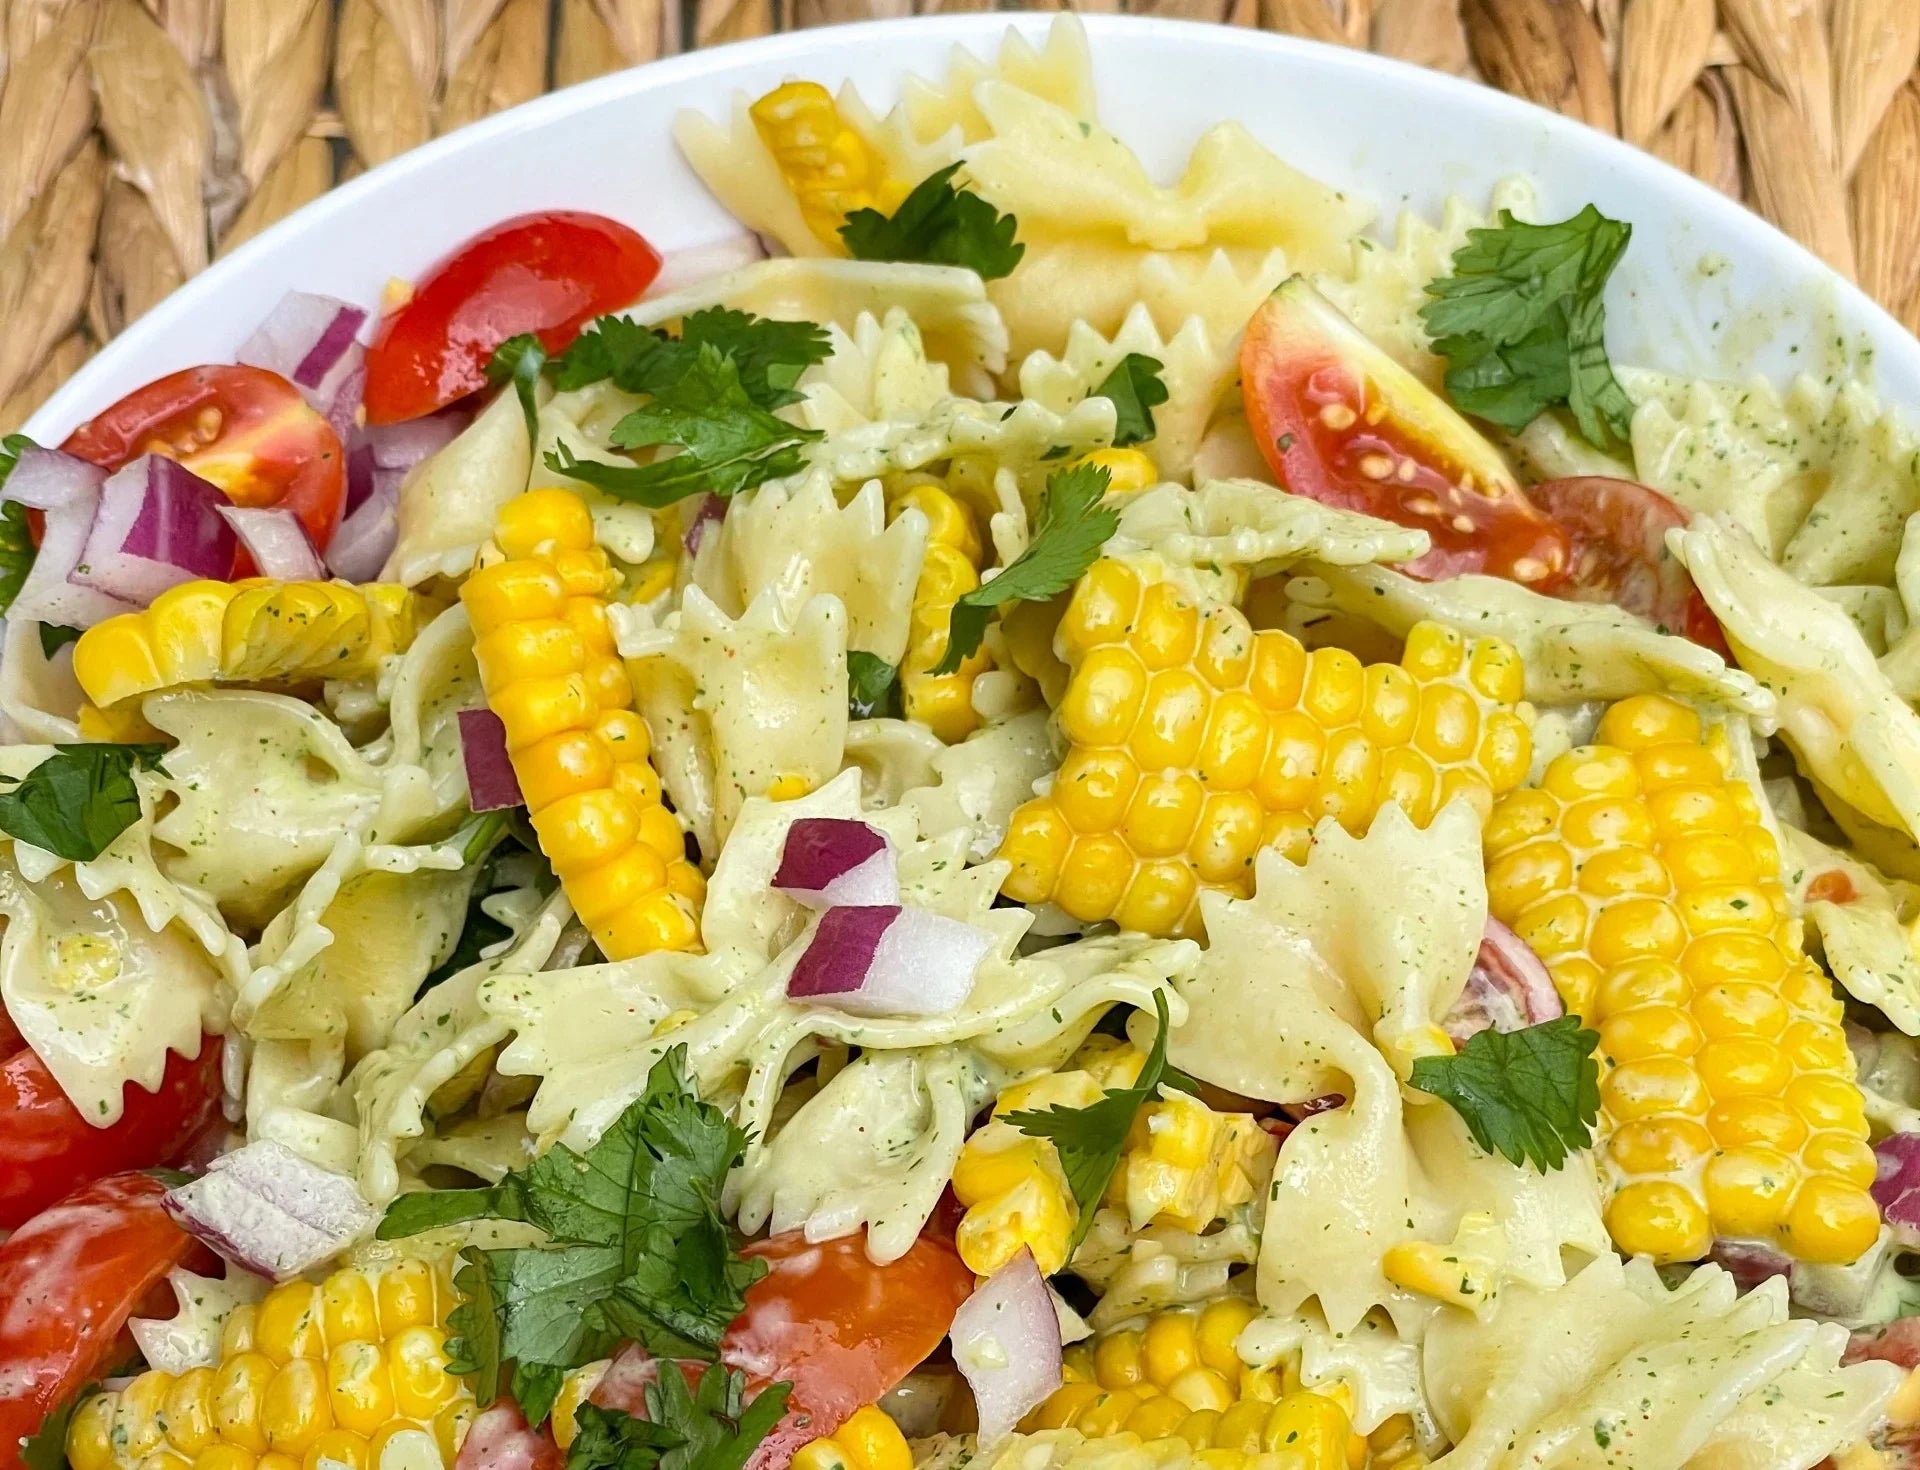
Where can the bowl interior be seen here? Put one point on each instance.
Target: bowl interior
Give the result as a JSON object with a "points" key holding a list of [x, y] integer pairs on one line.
{"points": [[1705, 288]]}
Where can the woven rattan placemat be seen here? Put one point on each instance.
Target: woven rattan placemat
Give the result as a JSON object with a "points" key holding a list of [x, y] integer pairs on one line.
{"points": [[141, 138]]}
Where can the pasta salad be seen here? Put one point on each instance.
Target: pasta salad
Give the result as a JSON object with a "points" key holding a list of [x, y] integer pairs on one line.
{"points": [[1021, 816]]}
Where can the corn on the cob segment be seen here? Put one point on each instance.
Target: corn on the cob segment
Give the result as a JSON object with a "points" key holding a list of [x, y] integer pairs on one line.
{"points": [[1185, 1165], [955, 552], [869, 1440], [255, 631], [1179, 1377], [1641, 872], [827, 164], [548, 665], [1194, 741], [353, 1370]]}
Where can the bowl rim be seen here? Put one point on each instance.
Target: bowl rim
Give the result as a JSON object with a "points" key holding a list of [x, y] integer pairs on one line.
{"points": [[1720, 216]]}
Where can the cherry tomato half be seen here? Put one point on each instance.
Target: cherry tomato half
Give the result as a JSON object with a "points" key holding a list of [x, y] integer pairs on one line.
{"points": [[46, 1144], [245, 429], [548, 274], [1342, 423], [1618, 532], [69, 1279], [499, 1439], [826, 1319]]}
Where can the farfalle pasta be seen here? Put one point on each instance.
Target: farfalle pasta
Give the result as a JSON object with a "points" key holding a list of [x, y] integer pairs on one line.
{"points": [[1211, 809]]}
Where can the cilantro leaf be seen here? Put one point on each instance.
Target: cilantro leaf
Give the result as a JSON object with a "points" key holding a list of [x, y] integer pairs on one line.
{"points": [[1135, 389], [74, 803], [613, 1439], [46, 1447], [535, 1387], [473, 1327], [941, 225], [1531, 1094], [54, 636], [873, 687], [1521, 322], [713, 1427], [1072, 527], [1090, 1140], [727, 442], [17, 550], [519, 361], [769, 355]]}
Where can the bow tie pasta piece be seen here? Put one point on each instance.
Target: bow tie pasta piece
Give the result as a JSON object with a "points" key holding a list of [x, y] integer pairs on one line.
{"points": [[1865, 923], [878, 369], [39, 697], [1676, 942], [1194, 741], [1654, 1378], [1571, 651], [547, 661], [448, 502]]}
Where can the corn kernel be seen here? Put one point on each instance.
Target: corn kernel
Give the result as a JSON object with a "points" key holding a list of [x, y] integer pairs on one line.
{"points": [[1830, 1221], [1660, 1219]]}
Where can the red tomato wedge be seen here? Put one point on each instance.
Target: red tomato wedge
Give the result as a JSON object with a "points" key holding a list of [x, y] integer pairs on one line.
{"points": [[548, 274], [247, 430], [824, 1318], [1618, 532], [1341, 422], [499, 1439], [46, 1144], [69, 1279]]}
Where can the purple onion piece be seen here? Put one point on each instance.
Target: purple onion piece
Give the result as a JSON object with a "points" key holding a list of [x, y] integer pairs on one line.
{"points": [[491, 784], [886, 960], [360, 468], [712, 511], [266, 1208], [696, 263], [158, 525], [1749, 1263], [1006, 1344], [46, 478], [1509, 989], [49, 594], [402, 446], [1897, 1189], [364, 540], [829, 861], [276, 541]]}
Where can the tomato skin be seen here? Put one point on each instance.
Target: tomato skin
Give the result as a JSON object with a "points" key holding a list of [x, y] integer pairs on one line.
{"points": [[547, 273], [46, 1144], [1340, 422], [499, 1439], [69, 1279], [1617, 530], [826, 1319], [245, 429]]}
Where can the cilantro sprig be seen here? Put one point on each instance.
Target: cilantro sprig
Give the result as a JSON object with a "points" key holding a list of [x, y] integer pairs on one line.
{"points": [[1090, 1140], [1522, 324], [638, 1246], [46, 1447], [939, 224], [74, 803], [1072, 527], [1531, 1095], [17, 550], [1135, 390], [873, 686], [520, 361], [712, 1427]]}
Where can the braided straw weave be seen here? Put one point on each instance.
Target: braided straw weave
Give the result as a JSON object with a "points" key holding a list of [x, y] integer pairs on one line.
{"points": [[139, 139]]}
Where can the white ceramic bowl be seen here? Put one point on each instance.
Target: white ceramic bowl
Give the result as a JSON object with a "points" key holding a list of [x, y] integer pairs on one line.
{"points": [[1706, 288]]}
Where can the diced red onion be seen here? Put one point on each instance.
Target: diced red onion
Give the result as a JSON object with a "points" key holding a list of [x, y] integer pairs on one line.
{"points": [[276, 541], [697, 263], [46, 478], [365, 539], [1897, 1190], [360, 470], [713, 510], [491, 784], [402, 446], [886, 960], [1006, 1343], [49, 594], [343, 413], [828, 861], [309, 341], [1508, 989], [158, 525], [1749, 1263], [266, 1208]]}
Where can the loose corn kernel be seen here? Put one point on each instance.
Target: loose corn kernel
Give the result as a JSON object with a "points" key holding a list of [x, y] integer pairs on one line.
{"points": [[1127, 470], [825, 162], [1720, 1039], [579, 752], [1194, 1165], [869, 1440], [1173, 704], [330, 1372]]}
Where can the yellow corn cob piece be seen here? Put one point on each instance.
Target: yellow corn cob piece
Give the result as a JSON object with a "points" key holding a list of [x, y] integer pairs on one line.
{"points": [[1193, 741], [1179, 1377], [352, 1370], [255, 631], [869, 1440], [827, 164], [1187, 1165], [548, 665], [955, 552], [1641, 872]]}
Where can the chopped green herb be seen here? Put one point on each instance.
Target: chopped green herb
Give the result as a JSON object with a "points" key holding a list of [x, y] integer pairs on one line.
{"points": [[1531, 1095], [712, 1427], [1135, 388], [939, 224], [46, 1447], [769, 355], [1072, 527], [17, 550], [873, 687], [520, 361], [54, 637], [74, 803]]}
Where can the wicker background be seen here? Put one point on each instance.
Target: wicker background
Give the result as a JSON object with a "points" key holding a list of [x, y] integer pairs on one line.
{"points": [[141, 138]]}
